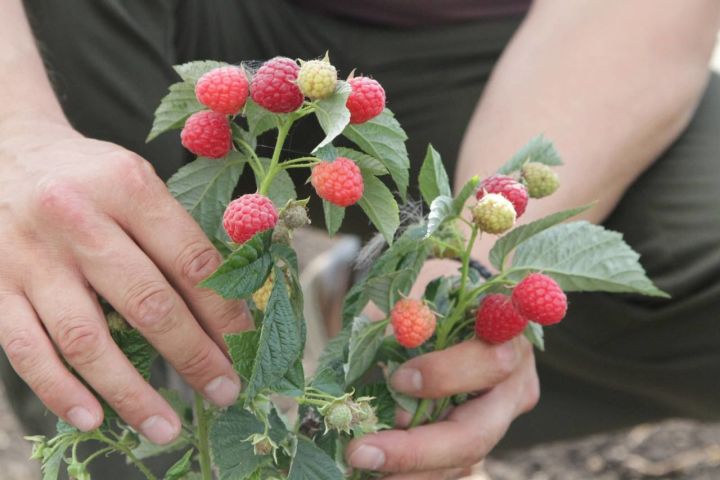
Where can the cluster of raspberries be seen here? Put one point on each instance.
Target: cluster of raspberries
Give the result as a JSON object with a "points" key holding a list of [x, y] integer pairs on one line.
{"points": [[280, 85]]}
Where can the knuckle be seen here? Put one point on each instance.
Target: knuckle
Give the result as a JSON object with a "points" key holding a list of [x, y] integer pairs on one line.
{"points": [[80, 340], [137, 174], [503, 363], [126, 401], [409, 460], [198, 363], [59, 200], [21, 349], [230, 317], [149, 305], [197, 261]]}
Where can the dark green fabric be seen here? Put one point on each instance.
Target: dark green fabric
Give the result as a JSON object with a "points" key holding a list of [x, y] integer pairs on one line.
{"points": [[616, 360]]}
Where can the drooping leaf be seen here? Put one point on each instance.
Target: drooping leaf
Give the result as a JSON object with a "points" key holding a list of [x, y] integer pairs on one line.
{"points": [[440, 209], [332, 114], [465, 192], [365, 339], [505, 244], [366, 162], [534, 333], [245, 270], [380, 206], [181, 468], [174, 109], [539, 150], [232, 454], [333, 217], [192, 71], [312, 463], [383, 138], [280, 342], [433, 178], [293, 382], [584, 257], [205, 187]]}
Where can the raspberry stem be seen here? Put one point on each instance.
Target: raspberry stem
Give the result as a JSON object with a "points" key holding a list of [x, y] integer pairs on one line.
{"points": [[254, 160], [273, 170], [201, 415]]}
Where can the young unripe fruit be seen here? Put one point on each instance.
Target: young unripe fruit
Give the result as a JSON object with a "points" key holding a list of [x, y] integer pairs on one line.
{"points": [[317, 79], [539, 179], [497, 320], [248, 215], [339, 182], [540, 299], [274, 86], [223, 90], [366, 100], [494, 214], [339, 417], [294, 216], [207, 134], [509, 188], [413, 322]]}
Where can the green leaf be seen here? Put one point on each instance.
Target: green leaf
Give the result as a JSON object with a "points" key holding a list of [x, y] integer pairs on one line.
{"points": [[174, 109], [54, 455], [245, 270], [505, 244], [380, 206], [440, 209], [537, 150], [192, 71], [367, 163], [293, 383], [332, 114], [382, 402], [383, 138], [407, 403], [280, 343], [260, 120], [181, 468], [330, 381], [233, 455], [433, 178], [365, 340], [242, 348], [466, 192], [282, 188], [534, 333], [584, 257], [205, 187], [336, 350], [138, 350], [333, 217], [312, 463]]}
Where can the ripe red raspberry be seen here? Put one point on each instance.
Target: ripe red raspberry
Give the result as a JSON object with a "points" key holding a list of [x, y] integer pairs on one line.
{"points": [[207, 134], [339, 182], [223, 90], [509, 188], [366, 100], [497, 320], [274, 86], [540, 298], [248, 215], [413, 322]]}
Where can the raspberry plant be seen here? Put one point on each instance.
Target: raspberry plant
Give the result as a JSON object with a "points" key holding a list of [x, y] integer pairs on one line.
{"points": [[348, 394]]}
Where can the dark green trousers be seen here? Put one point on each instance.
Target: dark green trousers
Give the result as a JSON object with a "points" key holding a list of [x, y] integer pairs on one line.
{"points": [[616, 361]]}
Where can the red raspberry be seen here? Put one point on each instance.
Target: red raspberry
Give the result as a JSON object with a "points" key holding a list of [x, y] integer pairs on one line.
{"points": [[223, 90], [274, 86], [497, 320], [413, 322], [339, 182], [366, 100], [207, 134], [250, 214], [509, 188], [540, 298]]}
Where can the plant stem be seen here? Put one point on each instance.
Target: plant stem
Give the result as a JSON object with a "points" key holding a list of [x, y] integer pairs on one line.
{"points": [[201, 416], [420, 412], [255, 162], [273, 170], [466, 262], [128, 453]]}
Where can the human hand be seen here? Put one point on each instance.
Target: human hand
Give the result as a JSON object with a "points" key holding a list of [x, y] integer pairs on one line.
{"points": [[502, 376], [81, 216]]}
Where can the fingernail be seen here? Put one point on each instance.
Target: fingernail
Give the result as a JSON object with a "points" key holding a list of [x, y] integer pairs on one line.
{"points": [[367, 457], [222, 391], [158, 430], [407, 380], [82, 419]]}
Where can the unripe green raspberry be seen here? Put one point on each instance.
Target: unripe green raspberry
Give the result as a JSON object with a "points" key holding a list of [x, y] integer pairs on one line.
{"points": [[539, 179], [494, 214], [317, 79], [339, 417], [294, 216]]}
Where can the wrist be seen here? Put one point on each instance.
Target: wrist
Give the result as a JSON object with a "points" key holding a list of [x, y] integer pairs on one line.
{"points": [[18, 131]]}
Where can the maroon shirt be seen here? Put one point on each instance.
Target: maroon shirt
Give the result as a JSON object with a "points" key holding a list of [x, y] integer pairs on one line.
{"points": [[418, 12]]}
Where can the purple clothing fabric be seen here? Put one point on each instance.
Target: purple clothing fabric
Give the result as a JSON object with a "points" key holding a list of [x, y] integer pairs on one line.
{"points": [[418, 12]]}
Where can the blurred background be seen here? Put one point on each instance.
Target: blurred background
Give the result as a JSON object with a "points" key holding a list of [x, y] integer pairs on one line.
{"points": [[675, 449]]}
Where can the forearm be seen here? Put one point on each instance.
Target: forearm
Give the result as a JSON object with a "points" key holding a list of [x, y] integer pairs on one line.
{"points": [[612, 83], [25, 91]]}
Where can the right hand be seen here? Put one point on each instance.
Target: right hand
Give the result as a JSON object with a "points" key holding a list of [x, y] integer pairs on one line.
{"points": [[80, 216]]}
